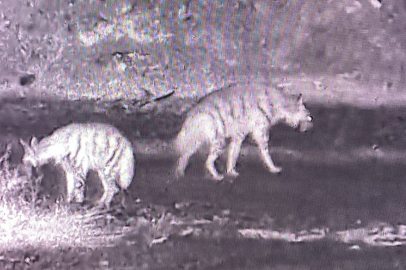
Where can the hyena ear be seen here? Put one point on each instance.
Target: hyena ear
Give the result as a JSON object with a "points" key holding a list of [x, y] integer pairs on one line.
{"points": [[34, 143], [300, 99], [9, 147], [24, 144]]}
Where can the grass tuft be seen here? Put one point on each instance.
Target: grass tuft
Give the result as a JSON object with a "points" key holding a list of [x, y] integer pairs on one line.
{"points": [[25, 222]]}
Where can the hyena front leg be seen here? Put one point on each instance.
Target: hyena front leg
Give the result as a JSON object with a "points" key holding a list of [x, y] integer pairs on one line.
{"points": [[75, 182], [70, 185], [79, 191], [181, 165], [216, 148], [70, 180], [233, 153], [261, 137]]}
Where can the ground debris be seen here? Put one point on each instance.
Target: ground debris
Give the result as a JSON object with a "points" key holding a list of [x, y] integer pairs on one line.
{"points": [[302, 236], [380, 234], [159, 240]]}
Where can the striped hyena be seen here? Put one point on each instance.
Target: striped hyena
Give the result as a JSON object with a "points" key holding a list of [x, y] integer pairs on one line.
{"points": [[233, 113], [79, 148]]}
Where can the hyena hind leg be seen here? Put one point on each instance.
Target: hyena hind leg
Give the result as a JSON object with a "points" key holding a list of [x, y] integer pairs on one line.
{"points": [[233, 153], [216, 148], [261, 137]]}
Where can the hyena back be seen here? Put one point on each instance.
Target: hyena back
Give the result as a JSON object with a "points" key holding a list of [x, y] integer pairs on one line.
{"points": [[233, 113], [79, 148]]}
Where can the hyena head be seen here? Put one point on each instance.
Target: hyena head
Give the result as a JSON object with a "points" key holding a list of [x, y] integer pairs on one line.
{"points": [[297, 116], [30, 152]]}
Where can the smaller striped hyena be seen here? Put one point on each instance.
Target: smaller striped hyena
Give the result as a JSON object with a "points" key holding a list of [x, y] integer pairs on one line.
{"points": [[234, 113], [79, 148]]}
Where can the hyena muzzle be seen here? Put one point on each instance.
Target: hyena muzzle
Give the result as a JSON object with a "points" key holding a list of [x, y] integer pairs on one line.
{"points": [[234, 113]]}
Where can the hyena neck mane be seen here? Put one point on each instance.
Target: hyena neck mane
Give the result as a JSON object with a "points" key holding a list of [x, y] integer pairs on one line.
{"points": [[282, 110], [50, 150]]}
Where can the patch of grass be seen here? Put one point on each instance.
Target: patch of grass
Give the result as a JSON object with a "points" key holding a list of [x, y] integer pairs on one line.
{"points": [[23, 226], [27, 220], [24, 221]]}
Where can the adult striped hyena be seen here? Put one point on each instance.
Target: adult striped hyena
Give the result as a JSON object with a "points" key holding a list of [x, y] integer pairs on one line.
{"points": [[233, 113], [79, 148]]}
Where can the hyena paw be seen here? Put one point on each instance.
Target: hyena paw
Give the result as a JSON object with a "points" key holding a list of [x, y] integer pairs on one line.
{"points": [[179, 174], [275, 170], [69, 199], [233, 173], [79, 198], [101, 205], [218, 177]]}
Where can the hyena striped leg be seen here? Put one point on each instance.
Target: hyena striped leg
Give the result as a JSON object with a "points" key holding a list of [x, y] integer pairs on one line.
{"points": [[216, 148], [75, 182], [110, 189], [70, 186], [261, 137], [233, 153]]}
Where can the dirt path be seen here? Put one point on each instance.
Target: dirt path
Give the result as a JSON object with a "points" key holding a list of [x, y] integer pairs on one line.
{"points": [[305, 196], [327, 182]]}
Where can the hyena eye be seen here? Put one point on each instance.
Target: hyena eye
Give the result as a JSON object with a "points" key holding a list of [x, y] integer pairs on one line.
{"points": [[309, 118]]}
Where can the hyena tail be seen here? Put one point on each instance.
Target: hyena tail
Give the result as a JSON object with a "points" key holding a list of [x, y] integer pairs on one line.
{"points": [[127, 169], [127, 173]]}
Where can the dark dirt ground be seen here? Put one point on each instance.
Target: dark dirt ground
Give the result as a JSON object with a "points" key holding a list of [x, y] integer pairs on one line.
{"points": [[304, 196]]}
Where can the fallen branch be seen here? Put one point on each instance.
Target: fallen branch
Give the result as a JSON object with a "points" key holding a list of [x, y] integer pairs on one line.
{"points": [[149, 99]]}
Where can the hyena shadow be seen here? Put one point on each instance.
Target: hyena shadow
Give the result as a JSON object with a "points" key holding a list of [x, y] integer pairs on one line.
{"points": [[53, 187]]}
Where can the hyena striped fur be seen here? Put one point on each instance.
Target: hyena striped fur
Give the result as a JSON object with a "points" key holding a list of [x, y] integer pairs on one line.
{"points": [[233, 113], [79, 148]]}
